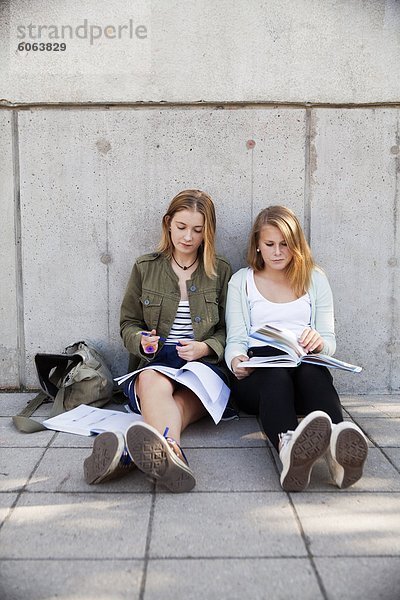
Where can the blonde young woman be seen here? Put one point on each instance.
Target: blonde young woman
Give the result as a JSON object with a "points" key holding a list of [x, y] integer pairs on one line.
{"points": [[173, 312], [283, 287]]}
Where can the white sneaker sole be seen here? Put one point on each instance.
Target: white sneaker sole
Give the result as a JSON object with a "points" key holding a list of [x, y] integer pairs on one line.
{"points": [[152, 454], [349, 451], [310, 441]]}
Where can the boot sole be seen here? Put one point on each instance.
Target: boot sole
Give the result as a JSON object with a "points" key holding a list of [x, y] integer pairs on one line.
{"points": [[152, 454], [310, 444]]}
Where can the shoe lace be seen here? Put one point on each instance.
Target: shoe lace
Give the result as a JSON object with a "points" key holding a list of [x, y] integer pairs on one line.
{"points": [[285, 438], [125, 460], [175, 446]]}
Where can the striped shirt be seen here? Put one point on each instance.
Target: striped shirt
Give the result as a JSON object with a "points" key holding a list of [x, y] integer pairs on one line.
{"points": [[182, 327]]}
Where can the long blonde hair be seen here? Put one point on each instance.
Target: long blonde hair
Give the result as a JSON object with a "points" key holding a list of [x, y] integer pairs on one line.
{"points": [[300, 267], [197, 201]]}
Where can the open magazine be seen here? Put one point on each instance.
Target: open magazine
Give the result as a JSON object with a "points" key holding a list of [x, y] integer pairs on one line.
{"points": [[285, 340], [207, 385]]}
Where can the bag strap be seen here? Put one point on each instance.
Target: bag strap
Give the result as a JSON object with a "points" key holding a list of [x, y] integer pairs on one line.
{"points": [[22, 421]]}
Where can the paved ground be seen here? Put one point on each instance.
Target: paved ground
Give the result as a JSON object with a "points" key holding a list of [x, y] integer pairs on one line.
{"points": [[236, 535]]}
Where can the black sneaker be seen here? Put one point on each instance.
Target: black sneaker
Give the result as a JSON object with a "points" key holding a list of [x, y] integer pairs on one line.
{"points": [[230, 414]]}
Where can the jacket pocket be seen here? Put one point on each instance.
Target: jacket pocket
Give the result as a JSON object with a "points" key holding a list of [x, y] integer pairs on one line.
{"points": [[151, 307], [212, 307]]}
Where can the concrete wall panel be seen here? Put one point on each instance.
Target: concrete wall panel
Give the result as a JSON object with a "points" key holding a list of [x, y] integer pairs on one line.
{"points": [[354, 225], [64, 227], [9, 374], [155, 154], [247, 50]]}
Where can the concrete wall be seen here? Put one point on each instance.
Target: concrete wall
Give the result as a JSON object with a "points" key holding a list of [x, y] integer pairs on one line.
{"points": [[83, 186], [203, 50], [9, 246]]}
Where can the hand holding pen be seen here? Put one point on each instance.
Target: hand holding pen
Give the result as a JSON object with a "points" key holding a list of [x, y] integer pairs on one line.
{"points": [[149, 341]]}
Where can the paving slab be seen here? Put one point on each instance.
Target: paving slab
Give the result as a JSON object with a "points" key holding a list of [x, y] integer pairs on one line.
{"points": [[61, 470], [366, 578], [10, 437], [67, 579], [393, 399], [12, 403], [225, 524], [389, 409], [344, 524], [383, 432], [16, 465], [72, 440], [379, 474], [373, 411], [233, 470], [393, 455], [372, 406], [218, 579], [6, 502], [240, 433], [73, 526]]}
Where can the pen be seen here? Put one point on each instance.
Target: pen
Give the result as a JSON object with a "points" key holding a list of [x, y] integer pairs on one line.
{"points": [[146, 334]]}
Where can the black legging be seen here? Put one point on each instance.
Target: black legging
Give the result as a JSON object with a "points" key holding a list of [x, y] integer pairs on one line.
{"points": [[279, 394]]}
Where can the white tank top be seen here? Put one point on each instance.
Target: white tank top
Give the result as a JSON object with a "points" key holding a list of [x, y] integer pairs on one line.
{"points": [[295, 315]]}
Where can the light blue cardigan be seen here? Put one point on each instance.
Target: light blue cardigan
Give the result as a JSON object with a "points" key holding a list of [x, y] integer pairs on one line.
{"points": [[238, 314]]}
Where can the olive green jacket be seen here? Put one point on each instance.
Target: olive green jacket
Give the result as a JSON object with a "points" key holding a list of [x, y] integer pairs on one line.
{"points": [[151, 302]]}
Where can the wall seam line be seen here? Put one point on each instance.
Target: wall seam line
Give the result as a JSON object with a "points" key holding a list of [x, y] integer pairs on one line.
{"points": [[392, 342], [307, 176], [157, 105], [252, 188]]}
